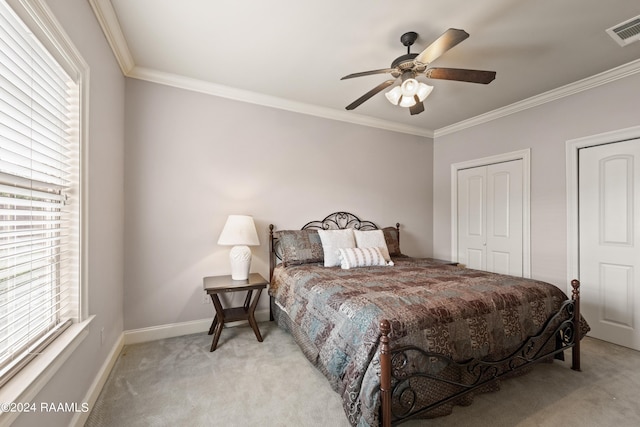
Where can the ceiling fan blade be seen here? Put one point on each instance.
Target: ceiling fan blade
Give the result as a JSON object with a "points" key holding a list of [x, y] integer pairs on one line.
{"points": [[417, 109], [463, 75], [369, 73], [369, 94], [446, 41]]}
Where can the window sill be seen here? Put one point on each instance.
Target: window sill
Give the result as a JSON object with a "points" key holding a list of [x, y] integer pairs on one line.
{"points": [[27, 383]]}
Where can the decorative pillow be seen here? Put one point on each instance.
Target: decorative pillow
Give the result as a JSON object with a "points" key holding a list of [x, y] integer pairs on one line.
{"points": [[393, 240], [372, 239], [300, 246], [361, 257], [332, 240]]}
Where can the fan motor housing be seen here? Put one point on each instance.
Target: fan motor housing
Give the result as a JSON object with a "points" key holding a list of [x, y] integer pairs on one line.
{"points": [[404, 62]]}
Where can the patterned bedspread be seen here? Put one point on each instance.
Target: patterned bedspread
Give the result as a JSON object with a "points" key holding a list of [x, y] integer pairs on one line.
{"points": [[334, 315]]}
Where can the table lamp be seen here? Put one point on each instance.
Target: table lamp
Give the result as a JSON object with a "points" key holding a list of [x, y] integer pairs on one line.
{"points": [[240, 232]]}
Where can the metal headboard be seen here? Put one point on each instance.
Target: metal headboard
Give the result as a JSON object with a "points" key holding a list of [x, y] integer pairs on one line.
{"points": [[340, 221], [335, 221]]}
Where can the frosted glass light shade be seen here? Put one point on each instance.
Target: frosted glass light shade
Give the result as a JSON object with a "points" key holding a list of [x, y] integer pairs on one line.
{"points": [[240, 232], [409, 87], [423, 91], [394, 95], [407, 101]]}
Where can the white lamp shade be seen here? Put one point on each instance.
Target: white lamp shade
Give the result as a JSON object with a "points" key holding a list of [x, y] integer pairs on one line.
{"points": [[394, 95], [239, 230]]}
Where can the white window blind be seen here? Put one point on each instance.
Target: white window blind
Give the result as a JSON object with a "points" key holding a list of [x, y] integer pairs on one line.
{"points": [[39, 159]]}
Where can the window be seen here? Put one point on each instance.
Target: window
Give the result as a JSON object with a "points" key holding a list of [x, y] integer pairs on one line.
{"points": [[39, 196]]}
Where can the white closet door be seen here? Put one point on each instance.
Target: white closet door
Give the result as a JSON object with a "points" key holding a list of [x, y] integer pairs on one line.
{"points": [[490, 218], [609, 224], [472, 211], [504, 218]]}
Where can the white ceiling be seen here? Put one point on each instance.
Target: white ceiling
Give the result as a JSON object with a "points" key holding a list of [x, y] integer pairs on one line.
{"points": [[291, 54]]}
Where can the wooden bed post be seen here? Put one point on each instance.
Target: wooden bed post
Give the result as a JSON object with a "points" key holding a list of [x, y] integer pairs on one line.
{"points": [[398, 232], [272, 265], [272, 260], [385, 373], [575, 351]]}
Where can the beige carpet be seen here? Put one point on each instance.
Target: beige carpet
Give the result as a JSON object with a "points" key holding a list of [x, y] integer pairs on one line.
{"points": [[178, 382]]}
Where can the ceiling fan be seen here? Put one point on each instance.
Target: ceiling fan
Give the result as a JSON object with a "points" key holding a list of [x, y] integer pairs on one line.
{"points": [[411, 92]]}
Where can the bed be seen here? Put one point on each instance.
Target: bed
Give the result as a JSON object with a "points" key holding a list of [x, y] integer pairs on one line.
{"points": [[401, 338]]}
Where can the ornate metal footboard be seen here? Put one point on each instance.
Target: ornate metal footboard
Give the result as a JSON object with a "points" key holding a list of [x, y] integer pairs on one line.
{"points": [[401, 380]]}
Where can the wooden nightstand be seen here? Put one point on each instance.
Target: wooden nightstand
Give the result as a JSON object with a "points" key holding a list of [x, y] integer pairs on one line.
{"points": [[214, 285]]}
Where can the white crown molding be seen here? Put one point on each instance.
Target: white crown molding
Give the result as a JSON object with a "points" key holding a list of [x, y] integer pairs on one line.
{"points": [[108, 20], [271, 101], [605, 77]]}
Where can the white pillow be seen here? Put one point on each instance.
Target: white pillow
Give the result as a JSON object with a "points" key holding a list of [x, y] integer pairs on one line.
{"points": [[360, 257], [332, 240], [372, 239]]}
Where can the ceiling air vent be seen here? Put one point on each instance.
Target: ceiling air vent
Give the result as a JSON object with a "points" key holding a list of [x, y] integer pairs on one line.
{"points": [[626, 32]]}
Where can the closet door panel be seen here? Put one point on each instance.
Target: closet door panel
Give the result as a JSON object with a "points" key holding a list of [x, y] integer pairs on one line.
{"points": [[490, 217]]}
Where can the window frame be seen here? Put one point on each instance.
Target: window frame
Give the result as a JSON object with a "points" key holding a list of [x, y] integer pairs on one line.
{"points": [[26, 384]]}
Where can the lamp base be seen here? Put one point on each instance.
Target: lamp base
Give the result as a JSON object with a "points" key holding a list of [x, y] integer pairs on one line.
{"points": [[240, 258]]}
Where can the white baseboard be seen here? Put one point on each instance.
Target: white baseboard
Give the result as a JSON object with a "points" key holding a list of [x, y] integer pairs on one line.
{"points": [[154, 333], [80, 418], [171, 330]]}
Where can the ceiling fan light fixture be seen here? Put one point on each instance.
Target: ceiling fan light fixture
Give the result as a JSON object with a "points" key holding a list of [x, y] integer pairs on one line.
{"points": [[394, 95], [411, 92], [415, 92]]}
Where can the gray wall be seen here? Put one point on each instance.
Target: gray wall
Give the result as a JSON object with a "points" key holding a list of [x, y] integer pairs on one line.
{"points": [[544, 129], [105, 214], [192, 159]]}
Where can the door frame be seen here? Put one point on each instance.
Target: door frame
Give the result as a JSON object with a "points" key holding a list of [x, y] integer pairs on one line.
{"points": [[573, 146], [525, 156]]}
